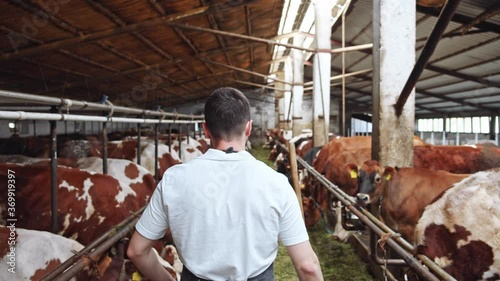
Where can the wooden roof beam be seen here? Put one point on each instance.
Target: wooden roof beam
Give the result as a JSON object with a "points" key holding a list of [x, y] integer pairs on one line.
{"points": [[245, 71], [253, 84], [214, 25], [154, 68], [117, 20], [31, 51]]}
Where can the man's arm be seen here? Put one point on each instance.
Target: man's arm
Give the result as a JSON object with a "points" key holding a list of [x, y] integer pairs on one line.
{"points": [[305, 261], [141, 254]]}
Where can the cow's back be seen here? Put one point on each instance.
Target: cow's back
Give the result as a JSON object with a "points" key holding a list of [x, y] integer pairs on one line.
{"points": [[460, 230], [89, 204]]}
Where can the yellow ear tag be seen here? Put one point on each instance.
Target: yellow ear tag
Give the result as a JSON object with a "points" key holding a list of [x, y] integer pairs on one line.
{"points": [[388, 177], [354, 174], [136, 276]]}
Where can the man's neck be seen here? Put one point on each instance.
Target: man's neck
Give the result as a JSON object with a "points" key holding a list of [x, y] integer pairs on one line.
{"points": [[237, 145]]}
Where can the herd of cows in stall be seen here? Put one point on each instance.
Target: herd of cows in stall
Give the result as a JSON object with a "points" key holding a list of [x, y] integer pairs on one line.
{"points": [[447, 205], [89, 202]]}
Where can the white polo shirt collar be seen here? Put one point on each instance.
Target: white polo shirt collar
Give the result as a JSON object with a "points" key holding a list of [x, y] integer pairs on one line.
{"points": [[219, 155]]}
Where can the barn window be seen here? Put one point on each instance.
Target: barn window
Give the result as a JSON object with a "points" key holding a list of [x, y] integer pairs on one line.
{"points": [[453, 125], [437, 125], [467, 125]]}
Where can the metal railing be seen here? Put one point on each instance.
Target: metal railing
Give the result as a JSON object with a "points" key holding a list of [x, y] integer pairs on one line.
{"points": [[398, 244]]}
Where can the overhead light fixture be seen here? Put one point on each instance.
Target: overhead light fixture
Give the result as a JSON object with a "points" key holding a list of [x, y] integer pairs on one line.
{"points": [[12, 125]]}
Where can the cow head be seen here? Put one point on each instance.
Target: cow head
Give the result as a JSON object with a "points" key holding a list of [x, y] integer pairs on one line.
{"points": [[371, 178]]}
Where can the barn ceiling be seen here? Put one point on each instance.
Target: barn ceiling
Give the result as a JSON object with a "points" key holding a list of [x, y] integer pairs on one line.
{"points": [[157, 52]]}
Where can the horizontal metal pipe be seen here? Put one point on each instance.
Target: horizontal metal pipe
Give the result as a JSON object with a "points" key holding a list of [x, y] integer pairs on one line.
{"points": [[81, 264], [336, 77], [76, 104], [23, 115], [269, 41]]}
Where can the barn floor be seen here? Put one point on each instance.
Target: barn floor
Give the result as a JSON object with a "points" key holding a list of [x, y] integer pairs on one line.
{"points": [[338, 260]]}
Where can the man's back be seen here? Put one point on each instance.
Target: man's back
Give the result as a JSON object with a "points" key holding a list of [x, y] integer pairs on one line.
{"points": [[225, 212]]}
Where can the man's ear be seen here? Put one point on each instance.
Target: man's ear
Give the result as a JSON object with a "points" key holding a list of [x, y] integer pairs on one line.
{"points": [[206, 131], [248, 128]]}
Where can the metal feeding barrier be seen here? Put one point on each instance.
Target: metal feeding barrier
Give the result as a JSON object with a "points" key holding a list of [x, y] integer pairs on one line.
{"points": [[421, 264], [108, 109], [77, 263]]}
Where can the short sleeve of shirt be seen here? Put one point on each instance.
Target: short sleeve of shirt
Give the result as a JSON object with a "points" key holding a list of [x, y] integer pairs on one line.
{"points": [[292, 227], [154, 220]]}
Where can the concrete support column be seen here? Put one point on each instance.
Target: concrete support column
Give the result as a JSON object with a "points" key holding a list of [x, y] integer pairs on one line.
{"points": [[321, 73], [297, 88], [393, 61]]}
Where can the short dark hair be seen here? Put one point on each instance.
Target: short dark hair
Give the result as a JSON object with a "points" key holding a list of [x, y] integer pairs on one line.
{"points": [[227, 111]]}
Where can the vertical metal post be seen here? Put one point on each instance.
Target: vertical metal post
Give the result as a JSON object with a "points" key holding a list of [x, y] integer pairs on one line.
{"points": [[104, 149], [444, 130], [74, 127], [170, 137], [179, 137], [65, 127], [53, 174], [343, 128], [458, 138], [34, 128], [376, 80], [295, 176], [138, 144], [492, 127], [156, 152], [187, 133]]}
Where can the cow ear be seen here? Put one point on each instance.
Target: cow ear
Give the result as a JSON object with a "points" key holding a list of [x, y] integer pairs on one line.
{"points": [[352, 169], [388, 172]]}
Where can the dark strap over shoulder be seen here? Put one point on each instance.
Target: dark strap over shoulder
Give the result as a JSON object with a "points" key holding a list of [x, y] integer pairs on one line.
{"points": [[267, 275]]}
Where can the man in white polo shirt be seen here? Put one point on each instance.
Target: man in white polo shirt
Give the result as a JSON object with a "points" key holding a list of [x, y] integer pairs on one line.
{"points": [[225, 209]]}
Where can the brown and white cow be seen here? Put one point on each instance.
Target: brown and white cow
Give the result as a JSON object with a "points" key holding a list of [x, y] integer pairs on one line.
{"points": [[460, 230], [31, 254], [187, 152], [89, 204], [205, 144], [124, 149], [126, 172], [334, 161], [402, 193]]}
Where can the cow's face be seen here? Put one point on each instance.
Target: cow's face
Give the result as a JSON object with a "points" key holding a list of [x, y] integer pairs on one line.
{"points": [[312, 213], [370, 182]]}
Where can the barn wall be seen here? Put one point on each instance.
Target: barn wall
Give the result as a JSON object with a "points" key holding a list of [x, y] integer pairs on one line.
{"points": [[262, 111]]}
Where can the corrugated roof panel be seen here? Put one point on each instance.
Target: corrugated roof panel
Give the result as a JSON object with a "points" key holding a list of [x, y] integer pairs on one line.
{"points": [[483, 70], [477, 93], [436, 81], [457, 87]]}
